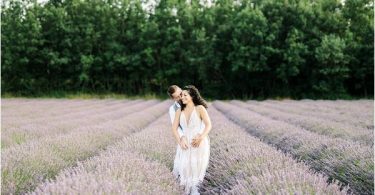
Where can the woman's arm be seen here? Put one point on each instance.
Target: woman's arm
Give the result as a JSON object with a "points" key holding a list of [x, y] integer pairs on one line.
{"points": [[207, 121], [175, 125]]}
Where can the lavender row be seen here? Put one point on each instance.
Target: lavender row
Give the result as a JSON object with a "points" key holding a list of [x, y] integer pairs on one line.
{"points": [[26, 165], [354, 114], [16, 102], [242, 164], [336, 104], [19, 135], [353, 109], [344, 105], [120, 172], [360, 122], [58, 113], [138, 164], [28, 108], [32, 131], [347, 161], [14, 117], [155, 144], [41, 116], [317, 125]]}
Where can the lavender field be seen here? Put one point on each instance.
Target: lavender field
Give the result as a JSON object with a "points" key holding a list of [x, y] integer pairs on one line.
{"points": [[123, 146]]}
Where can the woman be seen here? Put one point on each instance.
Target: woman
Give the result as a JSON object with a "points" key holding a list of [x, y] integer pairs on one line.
{"points": [[193, 159]]}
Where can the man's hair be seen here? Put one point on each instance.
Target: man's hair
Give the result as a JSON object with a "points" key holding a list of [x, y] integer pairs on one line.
{"points": [[172, 89]]}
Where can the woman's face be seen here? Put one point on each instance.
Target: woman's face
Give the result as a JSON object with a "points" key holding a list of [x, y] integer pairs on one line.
{"points": [[186, 98]]}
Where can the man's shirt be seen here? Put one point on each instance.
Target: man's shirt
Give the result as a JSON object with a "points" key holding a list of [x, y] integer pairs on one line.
{"points": [[172, 113]]}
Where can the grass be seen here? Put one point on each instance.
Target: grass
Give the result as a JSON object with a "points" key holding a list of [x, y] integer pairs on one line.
{"points": [[18, 138]]}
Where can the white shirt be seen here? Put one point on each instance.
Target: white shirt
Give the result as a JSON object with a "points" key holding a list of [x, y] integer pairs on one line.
{"points": [[172, 113]]}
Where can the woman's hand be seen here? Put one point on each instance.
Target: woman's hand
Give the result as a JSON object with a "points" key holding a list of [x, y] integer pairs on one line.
{"points": [[183, 143], [197, 140]]}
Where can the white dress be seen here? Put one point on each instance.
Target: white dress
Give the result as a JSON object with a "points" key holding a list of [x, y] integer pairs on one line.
{"points": [[191, 164]]}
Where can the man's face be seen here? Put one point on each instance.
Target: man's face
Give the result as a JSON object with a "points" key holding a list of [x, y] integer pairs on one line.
{"points": [[177, 94]]}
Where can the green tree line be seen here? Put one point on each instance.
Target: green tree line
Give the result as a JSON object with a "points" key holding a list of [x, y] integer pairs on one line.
{"points": [[227, 48]]}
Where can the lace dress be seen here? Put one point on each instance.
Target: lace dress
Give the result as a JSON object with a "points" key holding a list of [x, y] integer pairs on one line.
{"points": [[191, 164]]}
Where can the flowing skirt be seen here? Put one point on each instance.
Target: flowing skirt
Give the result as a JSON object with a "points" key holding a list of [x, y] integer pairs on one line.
{"points": [[190, 165]]}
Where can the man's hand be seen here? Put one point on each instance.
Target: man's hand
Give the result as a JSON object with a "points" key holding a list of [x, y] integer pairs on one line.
{"points": [[197, 140], [183, 143]]}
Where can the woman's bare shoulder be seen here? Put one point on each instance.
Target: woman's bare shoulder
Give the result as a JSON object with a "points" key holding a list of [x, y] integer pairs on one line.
{"points": [[201, 108]]}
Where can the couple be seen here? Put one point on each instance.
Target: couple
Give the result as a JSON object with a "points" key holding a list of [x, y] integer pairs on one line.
{"points": [[190, 126]]}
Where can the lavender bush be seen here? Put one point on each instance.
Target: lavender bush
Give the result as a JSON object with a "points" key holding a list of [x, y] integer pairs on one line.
{"points": [[317, 125], [356, 121], [55, 113], [26, 165], [353, 109], [138, 164], [242, 164], [250, 160], [84, 120], [347, 161], [126, 147]]}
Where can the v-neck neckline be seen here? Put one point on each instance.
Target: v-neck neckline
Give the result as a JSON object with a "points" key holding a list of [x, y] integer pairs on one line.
{"points": [[191, 114]]}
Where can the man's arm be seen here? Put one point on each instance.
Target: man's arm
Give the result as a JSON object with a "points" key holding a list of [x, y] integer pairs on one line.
{"points": [[171, 115], [180, 133]]}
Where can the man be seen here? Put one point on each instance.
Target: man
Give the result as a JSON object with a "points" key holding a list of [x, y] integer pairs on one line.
{"points": [[175, 93]]}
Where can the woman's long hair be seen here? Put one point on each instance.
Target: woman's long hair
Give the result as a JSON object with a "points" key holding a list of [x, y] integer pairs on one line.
{"points": [[195, 95]]}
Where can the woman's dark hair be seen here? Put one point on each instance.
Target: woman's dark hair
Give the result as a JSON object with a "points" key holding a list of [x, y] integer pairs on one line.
{"points": [[195, 95]]}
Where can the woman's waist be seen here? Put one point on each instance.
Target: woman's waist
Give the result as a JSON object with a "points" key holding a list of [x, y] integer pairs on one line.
{"points": [[192, 134], [192, 130]]}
